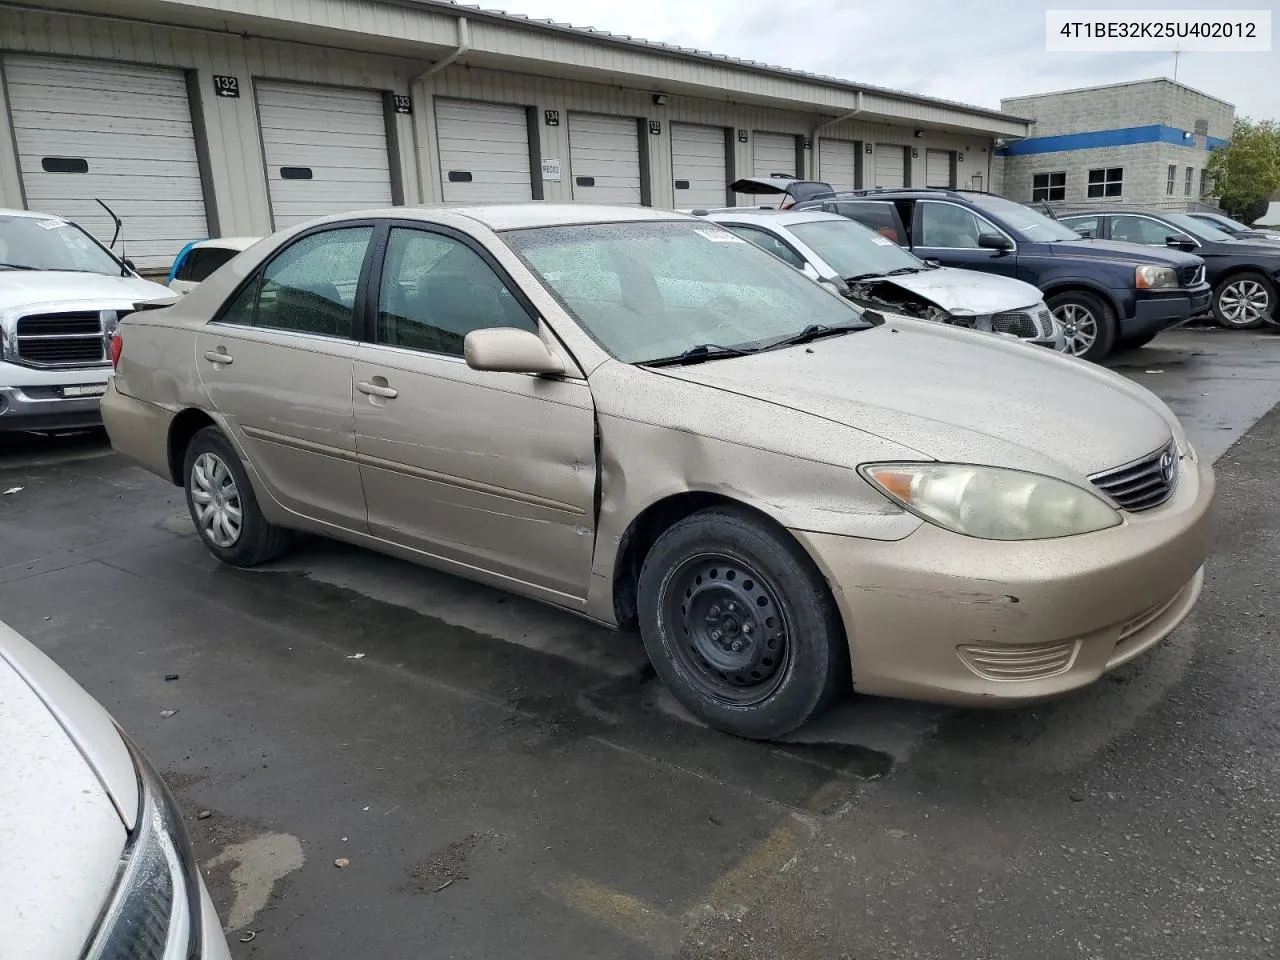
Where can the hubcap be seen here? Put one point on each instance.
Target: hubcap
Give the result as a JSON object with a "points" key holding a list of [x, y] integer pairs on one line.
{"points": [[215, 499], [728, 631], [1079, 327], [1244, 302]]}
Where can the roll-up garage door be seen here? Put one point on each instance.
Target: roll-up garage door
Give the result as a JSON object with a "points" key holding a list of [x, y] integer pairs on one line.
{"points": [[325, 150], [773, 155], [698, 167], [88, 130], [891, 165], [937, 168], [484, 151], [604, 158], [838, 163]]}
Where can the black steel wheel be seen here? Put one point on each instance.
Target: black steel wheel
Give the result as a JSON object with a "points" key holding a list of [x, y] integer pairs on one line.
{"points": [[740, 625]]}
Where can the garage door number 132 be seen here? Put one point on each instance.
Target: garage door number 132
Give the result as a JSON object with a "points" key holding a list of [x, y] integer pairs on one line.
{"points": [[226, 86]]}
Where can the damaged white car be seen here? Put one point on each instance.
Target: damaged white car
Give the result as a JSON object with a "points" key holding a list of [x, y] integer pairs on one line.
{"points": [[876, 273]]}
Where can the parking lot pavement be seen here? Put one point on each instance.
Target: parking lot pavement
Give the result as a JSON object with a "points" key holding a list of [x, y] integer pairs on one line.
{"points": [[500, 779]]}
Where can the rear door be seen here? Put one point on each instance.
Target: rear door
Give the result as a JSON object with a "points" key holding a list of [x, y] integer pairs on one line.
{"points": [[948, 232], [276, 363], [487, 471]]}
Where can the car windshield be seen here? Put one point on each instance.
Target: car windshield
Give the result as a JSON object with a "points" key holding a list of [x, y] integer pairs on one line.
{"points": [[40, 243], [852, 250], [1028, 224], [1217, 221], [1197, 228], [648, 291]]}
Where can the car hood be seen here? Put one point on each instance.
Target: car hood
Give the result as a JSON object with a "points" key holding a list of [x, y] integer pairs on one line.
{"points": [[958, 396], [28, 288], [1112, 250], [61, 836], [966, 292], [1249, 247]]}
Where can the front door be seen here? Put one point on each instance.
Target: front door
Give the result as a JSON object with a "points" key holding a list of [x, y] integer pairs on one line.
{"points": [[949, 233], [494, 471], [276, 363]]}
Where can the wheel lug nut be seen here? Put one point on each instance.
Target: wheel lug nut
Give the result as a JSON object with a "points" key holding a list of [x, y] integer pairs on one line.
{"points": [[746, 628], [715, 634], [714, 611], [735, 646]]}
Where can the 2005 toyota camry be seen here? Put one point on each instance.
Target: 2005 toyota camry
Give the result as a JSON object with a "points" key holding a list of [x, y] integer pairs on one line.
{"points": [[642, 418]]}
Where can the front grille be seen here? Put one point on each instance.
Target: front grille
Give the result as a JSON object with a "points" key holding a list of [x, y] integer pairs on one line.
{"points": [[1027, 324], [72, 339], [1030, 662], [1191, 275], [1144, 483]]}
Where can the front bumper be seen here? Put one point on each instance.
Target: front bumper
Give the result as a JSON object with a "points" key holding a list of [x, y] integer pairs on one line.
{"points": [[952, 619], [1156, 310], [38, 399]]}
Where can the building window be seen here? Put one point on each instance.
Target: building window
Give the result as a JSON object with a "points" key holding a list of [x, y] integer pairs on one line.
{"points": [[1049, 186], [1173, 179], [1205, 187], [1106, 183], [1186, 187]]}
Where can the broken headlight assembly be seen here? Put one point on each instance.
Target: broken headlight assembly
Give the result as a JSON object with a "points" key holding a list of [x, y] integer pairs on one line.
{"points": [[991, 503], [154, 909]]}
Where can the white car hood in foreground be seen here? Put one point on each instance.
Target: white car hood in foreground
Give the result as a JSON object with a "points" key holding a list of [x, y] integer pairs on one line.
{"points": [[61, 835], [26, 288], [968, 292]]}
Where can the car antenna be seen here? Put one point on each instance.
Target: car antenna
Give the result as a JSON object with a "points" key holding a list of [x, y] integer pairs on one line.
{"points": [[1048, 209], [119, 226]]}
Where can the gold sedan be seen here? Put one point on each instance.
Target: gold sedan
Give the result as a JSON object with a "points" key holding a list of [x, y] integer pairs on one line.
{"points": [[642, 418]]}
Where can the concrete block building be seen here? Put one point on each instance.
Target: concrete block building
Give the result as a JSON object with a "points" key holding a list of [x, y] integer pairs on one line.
{"points": [[1145, 143], [196, 118]]}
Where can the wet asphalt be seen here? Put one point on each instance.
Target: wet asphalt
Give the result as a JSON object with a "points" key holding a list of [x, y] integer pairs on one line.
{"points": [[497, 779]]}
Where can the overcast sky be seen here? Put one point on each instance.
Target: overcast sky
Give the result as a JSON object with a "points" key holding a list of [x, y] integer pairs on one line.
{"points": [[975, 51]]}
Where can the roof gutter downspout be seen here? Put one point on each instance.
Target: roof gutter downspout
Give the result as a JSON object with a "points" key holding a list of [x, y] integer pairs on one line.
{"points": [[464, 44], [813, 136]]}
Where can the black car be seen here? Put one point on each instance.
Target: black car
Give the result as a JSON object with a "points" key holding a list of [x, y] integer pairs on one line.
{"points": [[1237, 229], [1244, 274], [1106, 295]]}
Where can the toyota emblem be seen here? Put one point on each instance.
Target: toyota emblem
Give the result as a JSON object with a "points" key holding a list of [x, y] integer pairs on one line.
{"points": [[1167, 467]]}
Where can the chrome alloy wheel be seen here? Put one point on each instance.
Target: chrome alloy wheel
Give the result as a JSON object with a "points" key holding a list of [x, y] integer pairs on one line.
{"points": [[1079, 327], [216, 500], [1244, 303]]}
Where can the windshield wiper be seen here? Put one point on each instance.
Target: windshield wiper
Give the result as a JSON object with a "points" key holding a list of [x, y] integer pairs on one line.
{"points": [[815, 331], [902, 271], [700, 354], [19, 266]]}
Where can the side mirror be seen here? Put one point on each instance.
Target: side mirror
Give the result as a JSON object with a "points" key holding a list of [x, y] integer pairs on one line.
{"points": [[1180, 242], [508, 350], [994, 241]]}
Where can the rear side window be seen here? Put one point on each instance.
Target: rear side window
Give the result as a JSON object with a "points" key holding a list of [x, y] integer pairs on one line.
{"points": [[881, 217], [203, 261], [309, 287]]}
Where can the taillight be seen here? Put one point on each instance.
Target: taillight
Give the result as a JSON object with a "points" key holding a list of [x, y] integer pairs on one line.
{"points": [[117, 344]]}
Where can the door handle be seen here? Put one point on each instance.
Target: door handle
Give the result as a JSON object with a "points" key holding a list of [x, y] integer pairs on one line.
{"points": [[218, 356], [377, 390]]}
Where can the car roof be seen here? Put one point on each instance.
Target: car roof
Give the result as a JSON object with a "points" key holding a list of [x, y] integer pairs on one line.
{"points": [[771, 217], [31, 214], [517, 216], [226, 243]]}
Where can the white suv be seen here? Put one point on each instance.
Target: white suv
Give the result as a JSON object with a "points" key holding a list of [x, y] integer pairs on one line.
{"points": [[61, 295]]}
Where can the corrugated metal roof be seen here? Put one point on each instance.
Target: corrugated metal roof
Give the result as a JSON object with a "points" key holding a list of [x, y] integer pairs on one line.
{"points": [[689, 53]]}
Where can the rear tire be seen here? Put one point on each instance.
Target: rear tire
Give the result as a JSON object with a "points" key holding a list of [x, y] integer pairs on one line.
{"points": [[740, 625], [1088, 321], [222, 504], [1244, 301]]}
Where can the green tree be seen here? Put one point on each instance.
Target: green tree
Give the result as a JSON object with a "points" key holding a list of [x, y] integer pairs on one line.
{"points": [[1246, 172]]}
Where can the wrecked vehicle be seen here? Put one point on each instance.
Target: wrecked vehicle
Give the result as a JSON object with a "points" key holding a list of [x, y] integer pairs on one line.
{"points": [[876, 273], [642, 418]]}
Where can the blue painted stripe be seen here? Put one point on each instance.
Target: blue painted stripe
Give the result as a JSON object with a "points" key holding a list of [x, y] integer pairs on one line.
{"points": [[1122, 137]]}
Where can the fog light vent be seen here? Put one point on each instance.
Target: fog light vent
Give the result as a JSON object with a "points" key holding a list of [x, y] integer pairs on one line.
{"points": [[1031, 662]]}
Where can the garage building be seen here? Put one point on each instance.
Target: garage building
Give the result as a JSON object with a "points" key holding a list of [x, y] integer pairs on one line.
{"points": [[193, 118]]}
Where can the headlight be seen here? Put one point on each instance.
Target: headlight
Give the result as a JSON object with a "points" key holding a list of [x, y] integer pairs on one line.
{"points": [[1148, 277], [991, 503], [154, 911]]}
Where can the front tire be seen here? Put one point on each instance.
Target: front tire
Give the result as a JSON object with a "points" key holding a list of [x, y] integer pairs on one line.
{"points": [[1088, 322], [1244, 301], [740, 625], [223, 506]]}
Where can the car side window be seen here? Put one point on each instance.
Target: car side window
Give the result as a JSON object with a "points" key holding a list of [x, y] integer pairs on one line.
{"points": [[1140, 230], [309, 287], [1085, 226], [952, 227], [881, 217], [768, 242], [435, 290]]}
